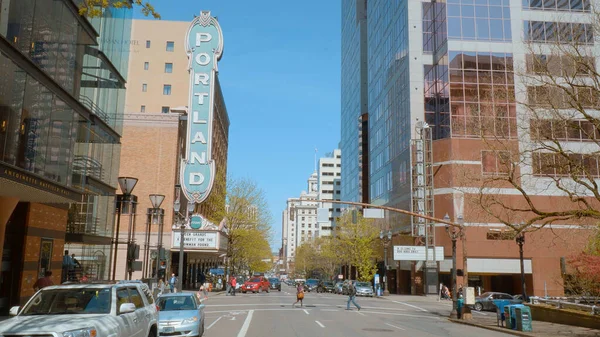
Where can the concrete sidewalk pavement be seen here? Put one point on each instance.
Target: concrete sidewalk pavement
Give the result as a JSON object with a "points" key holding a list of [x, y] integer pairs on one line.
{"points": [[539, 328]]}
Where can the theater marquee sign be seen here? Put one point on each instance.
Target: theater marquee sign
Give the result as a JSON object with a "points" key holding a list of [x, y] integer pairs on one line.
{"points": [[204, 44]]}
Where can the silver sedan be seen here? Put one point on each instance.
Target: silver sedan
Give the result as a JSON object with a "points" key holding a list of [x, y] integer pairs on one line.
{"points": [[180, 314]]}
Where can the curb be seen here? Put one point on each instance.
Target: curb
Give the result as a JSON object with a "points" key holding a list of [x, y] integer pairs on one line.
{"points": [[493, 328]]}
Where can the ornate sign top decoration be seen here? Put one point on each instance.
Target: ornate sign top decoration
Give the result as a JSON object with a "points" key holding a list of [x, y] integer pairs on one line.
{"points": [[204, 46]]}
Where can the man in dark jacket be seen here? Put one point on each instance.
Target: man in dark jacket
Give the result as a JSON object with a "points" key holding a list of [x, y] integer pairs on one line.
{"points": [[352, 296]]}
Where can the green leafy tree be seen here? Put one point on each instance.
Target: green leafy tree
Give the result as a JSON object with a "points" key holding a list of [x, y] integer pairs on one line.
{"points": [[247, 221], [93, 8], [356, 243]]}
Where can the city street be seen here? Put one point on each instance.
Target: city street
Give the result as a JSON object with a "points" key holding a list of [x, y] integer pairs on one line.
{"points": [[272, 314]]}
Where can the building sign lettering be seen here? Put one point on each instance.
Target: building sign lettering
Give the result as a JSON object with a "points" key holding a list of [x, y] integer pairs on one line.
{"points": [[196, 240], [204, 43]]}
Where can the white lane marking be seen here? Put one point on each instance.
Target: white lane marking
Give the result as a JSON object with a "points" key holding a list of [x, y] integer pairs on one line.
{"points": [[246, 325], [380, 308], [239, 311], [410, 305], [360, 313], [478, 312], [329, 310], [306, 311], [393, 326], [241, 305], [320, 324], [213, 323], [396, 314]]}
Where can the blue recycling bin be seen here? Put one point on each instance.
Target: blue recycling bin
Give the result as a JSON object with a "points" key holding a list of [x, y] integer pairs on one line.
{"points": [[513, 315], [523, 319]]}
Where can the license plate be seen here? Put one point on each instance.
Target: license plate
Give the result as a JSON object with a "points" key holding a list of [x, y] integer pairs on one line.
{"points": [[168, 329], [248, 287]]}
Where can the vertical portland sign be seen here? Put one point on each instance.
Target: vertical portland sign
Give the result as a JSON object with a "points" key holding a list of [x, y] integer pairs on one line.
{"points": [[204, 46]]}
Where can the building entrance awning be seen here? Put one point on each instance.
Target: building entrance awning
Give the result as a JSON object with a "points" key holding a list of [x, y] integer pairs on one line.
{"points": [[490, 266]]}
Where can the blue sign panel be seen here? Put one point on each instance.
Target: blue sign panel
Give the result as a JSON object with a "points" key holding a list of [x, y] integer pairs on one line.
{"points": [[204, 43], [196, 222]]}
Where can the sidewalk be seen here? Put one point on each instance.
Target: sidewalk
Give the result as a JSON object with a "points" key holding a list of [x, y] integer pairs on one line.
{"points": [[487, 320], [539, 328]]}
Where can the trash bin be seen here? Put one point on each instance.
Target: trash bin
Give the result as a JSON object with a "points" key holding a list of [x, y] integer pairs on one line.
{"points": [[460, 303], [523, 319]]}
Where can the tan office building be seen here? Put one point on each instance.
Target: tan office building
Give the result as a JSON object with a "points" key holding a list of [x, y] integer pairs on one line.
{"points": [[154, 140]]}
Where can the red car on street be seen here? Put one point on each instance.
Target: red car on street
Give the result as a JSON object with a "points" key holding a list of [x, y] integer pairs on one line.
{"points": [[256, 284]]}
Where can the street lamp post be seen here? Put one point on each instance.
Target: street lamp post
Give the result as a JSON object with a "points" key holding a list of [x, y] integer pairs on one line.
{"points": [[454, 235], [520, 241], [157, 217], [386, 239], [127, 184], [184, 220]]}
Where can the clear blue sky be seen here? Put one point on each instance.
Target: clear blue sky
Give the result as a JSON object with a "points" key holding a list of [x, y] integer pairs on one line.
{"points": [[280, 75]]}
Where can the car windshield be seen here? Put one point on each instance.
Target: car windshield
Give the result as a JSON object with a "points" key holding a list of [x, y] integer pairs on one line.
{"points": [[486, 294], [311, 282], [254, 280], [69, 301], [363, 284], [175, 303], [328, 283], [273, 280]]}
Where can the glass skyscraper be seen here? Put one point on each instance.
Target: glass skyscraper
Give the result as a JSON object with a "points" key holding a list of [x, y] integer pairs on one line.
{"points": [[62, 92], [459, 66]]}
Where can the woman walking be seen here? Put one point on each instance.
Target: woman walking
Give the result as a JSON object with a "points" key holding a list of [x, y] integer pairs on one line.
{"points": [[299, 294]]}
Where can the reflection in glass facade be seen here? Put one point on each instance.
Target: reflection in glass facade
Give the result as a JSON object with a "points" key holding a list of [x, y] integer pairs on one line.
{"points": [[353, 95], [55, 138], [389, 109], [480, 20], [482, 94]]}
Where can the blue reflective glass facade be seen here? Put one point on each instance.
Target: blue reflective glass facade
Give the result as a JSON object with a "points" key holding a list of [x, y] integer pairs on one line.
{"points": [[353, 95], [389, 108]]}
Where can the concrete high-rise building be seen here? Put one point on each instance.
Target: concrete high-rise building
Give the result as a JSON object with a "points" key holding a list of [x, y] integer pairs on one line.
{"points": [[299, 221], [329, 174], [62, 89], [452, 65], [154, 141]]}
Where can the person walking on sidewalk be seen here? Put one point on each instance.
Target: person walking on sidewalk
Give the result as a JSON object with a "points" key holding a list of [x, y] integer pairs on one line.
{"points": [[233, 285], [299, 295], [172, 282], [351, 296]]}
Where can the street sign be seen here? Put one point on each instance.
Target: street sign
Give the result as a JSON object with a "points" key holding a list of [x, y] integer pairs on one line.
{"points": [[417, 253]]}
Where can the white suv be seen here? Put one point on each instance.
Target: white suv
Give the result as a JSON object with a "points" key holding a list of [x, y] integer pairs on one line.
{"points": [[90, 310]]}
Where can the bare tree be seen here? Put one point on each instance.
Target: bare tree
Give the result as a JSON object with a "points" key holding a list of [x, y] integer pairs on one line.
{"points": [[548, 145]]}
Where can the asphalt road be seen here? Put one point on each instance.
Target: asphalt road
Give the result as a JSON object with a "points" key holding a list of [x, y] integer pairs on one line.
{"points": [[272, 314]]}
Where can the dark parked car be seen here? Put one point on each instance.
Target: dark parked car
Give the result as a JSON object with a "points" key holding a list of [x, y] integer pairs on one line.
{"points": [[486, 300], [275, 284], [311, 285], [326, 287]]}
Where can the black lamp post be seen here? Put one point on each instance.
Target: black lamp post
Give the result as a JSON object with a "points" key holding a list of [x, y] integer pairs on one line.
{"points": [[127, 184], [155, 217], [386, 239], [520, 238], [183, 220], [454, 234]]}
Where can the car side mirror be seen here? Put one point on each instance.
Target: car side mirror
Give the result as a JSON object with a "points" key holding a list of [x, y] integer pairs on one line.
{"points": [[126, 308], [14, 311], [201, 306]]}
